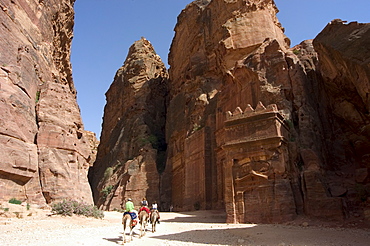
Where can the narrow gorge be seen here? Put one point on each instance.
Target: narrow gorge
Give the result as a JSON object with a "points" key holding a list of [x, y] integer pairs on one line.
{"points": [[241, 121]]}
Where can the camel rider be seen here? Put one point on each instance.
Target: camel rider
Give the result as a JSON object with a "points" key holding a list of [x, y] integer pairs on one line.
{"points": [[130, 209], [144, 206], [155, 210], [144, 202]]}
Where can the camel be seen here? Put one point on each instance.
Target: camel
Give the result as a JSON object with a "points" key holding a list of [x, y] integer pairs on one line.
{"points": [[154, 219], [127, 223], [143, 218]]}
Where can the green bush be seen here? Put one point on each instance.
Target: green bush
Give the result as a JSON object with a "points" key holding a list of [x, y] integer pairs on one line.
{"points": [[107, 190], [15, 201], [37, 96], [70, 207]]}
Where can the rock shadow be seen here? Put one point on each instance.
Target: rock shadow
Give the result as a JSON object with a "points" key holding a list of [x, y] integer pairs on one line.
{"points": [[214, 216], [116, 240], [232, 236], [119, 239]]}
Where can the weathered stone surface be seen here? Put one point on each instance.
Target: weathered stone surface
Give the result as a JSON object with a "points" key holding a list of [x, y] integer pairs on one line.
{"points": [[45, 154], [233, 56], [305, 153], [211, 73], [132, 147], [256, 149], [94, 143], [218, 34], [344, 64]]}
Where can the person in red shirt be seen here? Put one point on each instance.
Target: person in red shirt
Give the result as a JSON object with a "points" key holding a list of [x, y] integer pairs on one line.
{"points": [[144, 206]]}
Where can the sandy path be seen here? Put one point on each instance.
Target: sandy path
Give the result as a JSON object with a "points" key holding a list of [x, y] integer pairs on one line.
{"points": [[196, 228]]}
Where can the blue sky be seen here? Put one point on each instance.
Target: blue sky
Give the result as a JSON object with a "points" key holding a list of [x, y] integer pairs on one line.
{"points": [[105, 29]]}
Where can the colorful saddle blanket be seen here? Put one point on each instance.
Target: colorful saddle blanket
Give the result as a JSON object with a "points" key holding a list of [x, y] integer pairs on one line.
{"points": [[133, 215], [146, 209]]}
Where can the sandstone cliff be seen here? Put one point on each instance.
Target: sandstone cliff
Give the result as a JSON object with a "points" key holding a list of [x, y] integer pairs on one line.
{"points": [[132, 149], [295, 139], [45, 155], [344, 66], [211, 73]]}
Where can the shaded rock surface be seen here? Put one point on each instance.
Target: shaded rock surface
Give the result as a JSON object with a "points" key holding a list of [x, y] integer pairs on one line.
{"points": [[132, 147], [45, 155], [344, 65]]}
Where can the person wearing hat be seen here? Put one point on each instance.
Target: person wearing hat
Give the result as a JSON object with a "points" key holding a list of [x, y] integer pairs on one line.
{"points": [[129, 205]]}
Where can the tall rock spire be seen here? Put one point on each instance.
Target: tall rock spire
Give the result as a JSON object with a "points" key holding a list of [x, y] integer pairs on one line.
{"points": [[132, 147]]}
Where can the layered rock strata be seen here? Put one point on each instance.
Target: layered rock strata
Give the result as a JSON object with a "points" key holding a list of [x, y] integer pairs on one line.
{"points": [[132, 149], [45, 155]]}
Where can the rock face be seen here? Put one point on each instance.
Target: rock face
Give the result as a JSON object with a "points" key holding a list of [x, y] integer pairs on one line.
{"points": [[295, 140], [227, 63], [132, 149], [344, 65], [45, 155]]}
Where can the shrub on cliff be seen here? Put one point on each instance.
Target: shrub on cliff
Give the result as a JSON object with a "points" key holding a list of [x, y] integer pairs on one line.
{"points": [[106, 191], [15, 201], [70, 207]]}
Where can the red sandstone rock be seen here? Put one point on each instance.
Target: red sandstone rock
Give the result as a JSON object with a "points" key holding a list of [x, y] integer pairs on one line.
{"points": [[222, 65], [261, 130], [131, 150], [44, 152], [344, 66], [232, 55]]}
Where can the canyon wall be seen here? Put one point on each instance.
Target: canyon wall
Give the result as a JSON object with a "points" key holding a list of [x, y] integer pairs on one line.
{"points": [[132, 148], [266, 131], [210, 76], [45, 151], [344, 68]]}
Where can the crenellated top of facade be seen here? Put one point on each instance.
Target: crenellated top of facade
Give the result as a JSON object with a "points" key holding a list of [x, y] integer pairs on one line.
{"points": [[249, 111], [253, 125]]}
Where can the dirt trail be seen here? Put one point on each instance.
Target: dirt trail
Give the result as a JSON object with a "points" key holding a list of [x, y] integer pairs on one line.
{"points": [[192, 228]]}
